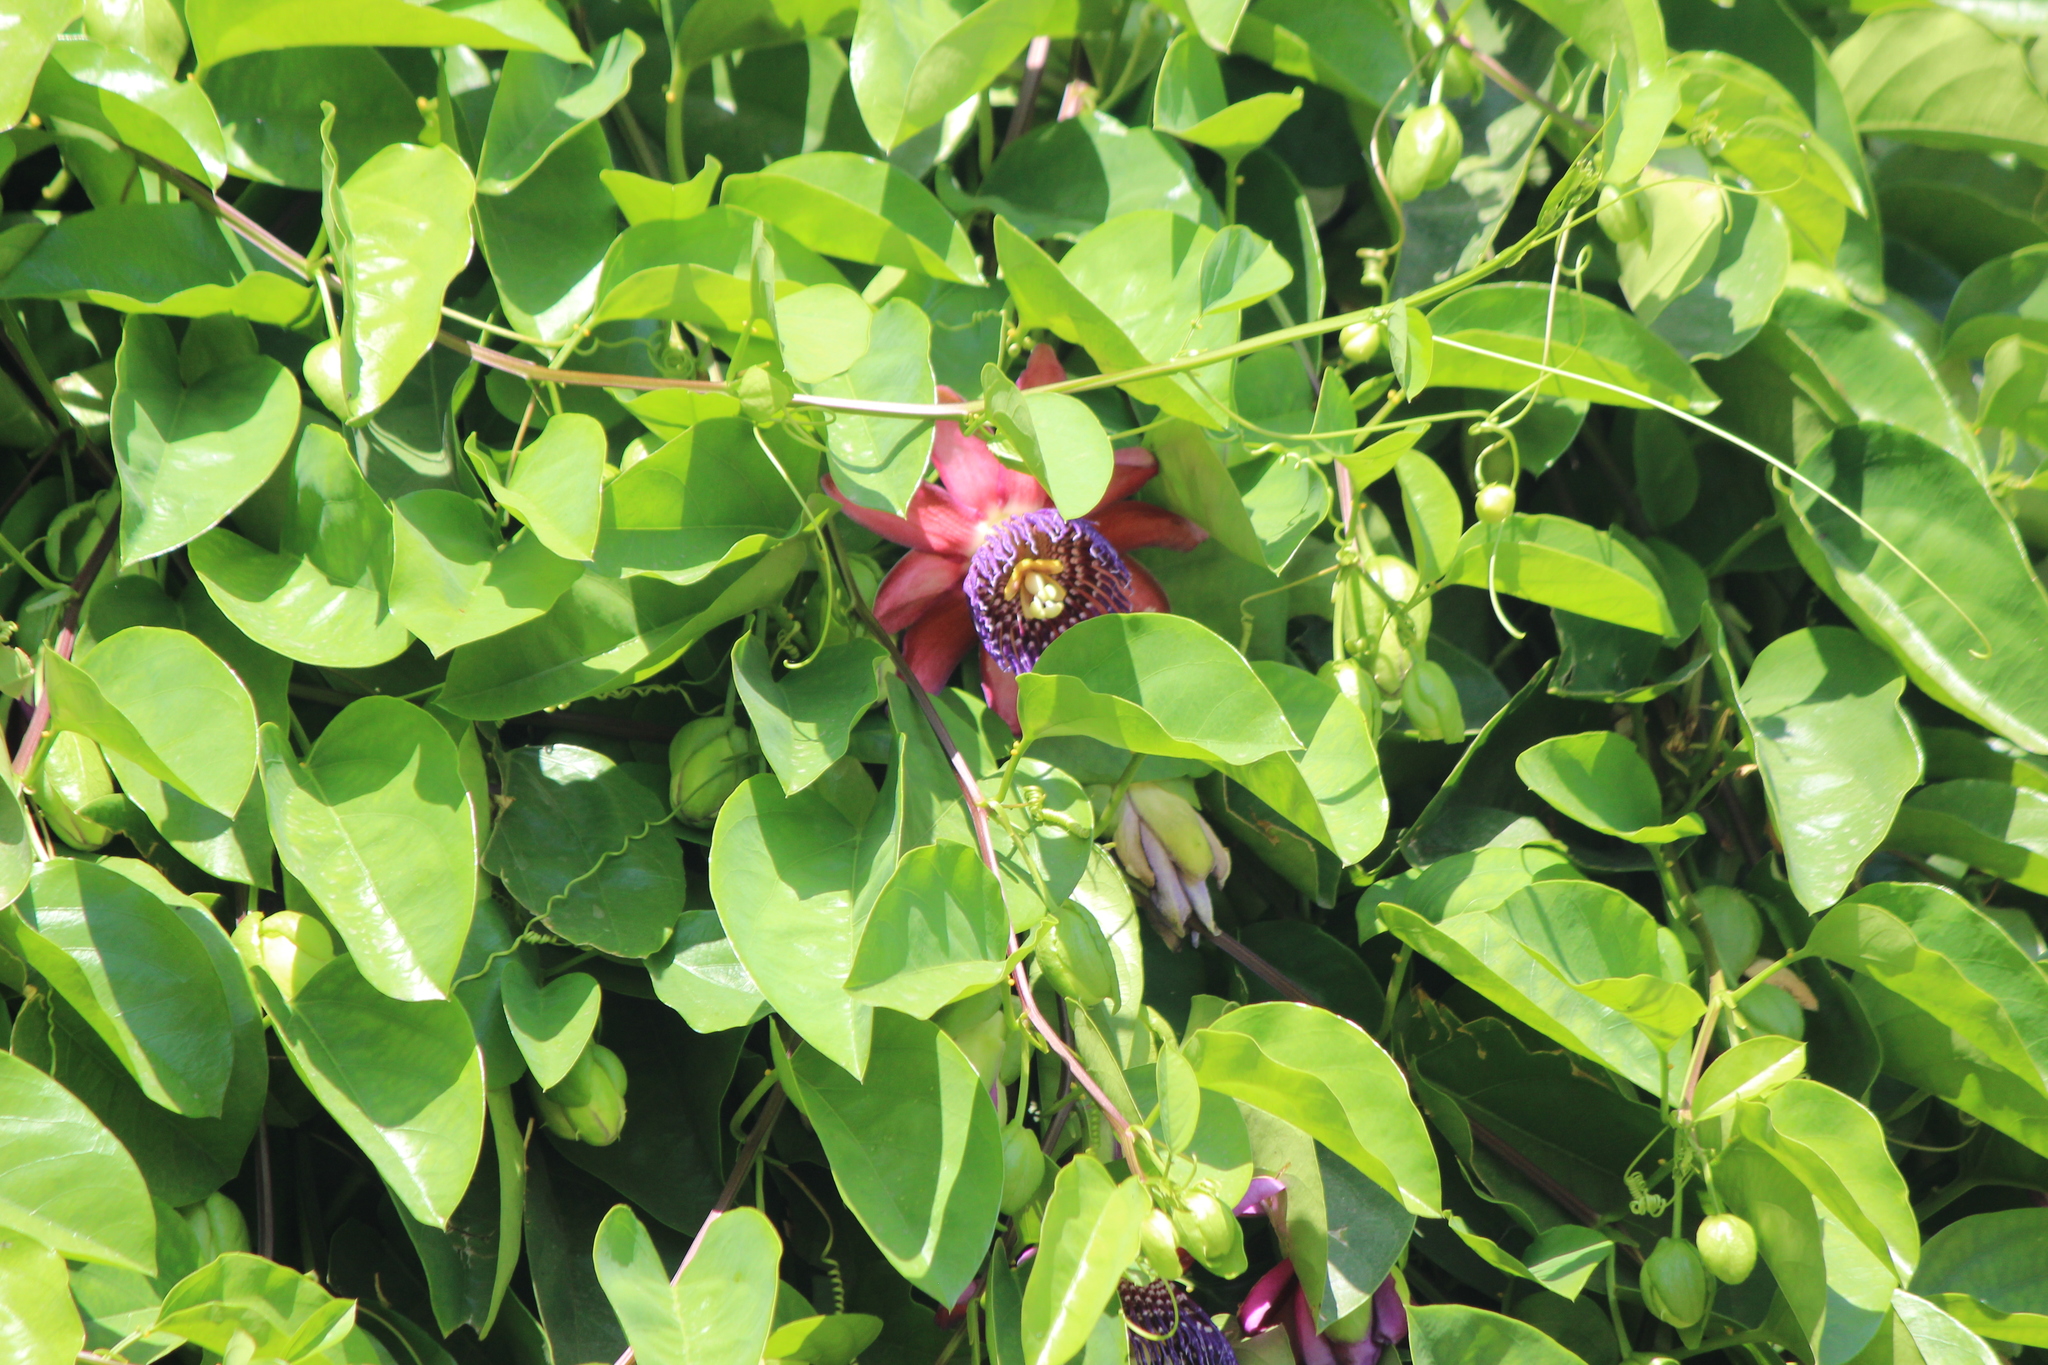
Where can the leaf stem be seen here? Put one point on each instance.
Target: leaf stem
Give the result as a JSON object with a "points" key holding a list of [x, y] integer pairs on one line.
{"points": [[67, 635]]}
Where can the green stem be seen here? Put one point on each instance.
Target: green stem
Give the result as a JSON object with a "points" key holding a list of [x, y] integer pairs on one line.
{"points": [[1614, 1307], [678, 81], [1394, 985], [42, 579], [1116, 795], [1229, 192]]}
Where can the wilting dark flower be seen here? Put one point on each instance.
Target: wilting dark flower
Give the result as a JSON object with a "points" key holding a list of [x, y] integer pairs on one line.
{"points": [[1276, 1304], [1167, 1327], [1164, 842], [991, 563]]}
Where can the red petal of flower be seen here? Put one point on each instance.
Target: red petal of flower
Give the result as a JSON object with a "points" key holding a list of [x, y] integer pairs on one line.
{"points": [[1309, 1346], [1146, 594], [999, 689], [939, 640], [1043, 368], [1264, 1299], [1134, 467], [1134, 525], [979, 480], [918, 579], [937, 521]]}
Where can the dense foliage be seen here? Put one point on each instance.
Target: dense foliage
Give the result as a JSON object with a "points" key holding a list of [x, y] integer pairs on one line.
{"points": [[1065, 680]]}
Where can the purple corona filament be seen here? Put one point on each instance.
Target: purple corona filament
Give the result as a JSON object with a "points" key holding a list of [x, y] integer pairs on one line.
{"points": [[1037, 575], [1167, 1327]]}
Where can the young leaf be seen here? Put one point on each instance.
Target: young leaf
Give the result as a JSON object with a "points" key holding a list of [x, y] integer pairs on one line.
{"points": [[1090, 1236]]}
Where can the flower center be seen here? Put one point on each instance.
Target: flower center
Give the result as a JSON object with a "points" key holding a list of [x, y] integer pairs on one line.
{"points": [[1036, 575]]}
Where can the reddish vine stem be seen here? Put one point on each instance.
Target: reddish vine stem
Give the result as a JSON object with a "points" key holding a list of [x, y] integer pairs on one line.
{"points": [[1259, 967], [67, 635]]}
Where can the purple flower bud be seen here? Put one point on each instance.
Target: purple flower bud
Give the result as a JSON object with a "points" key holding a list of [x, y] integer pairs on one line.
{"points": [[1259, 1196]]}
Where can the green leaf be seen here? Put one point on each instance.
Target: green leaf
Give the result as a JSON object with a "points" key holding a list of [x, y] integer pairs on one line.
{"points": [[784, 876], [376, 823], [698, 975], [404, 1079], [1450, 1333], [1935, 1335], [1581, 964], [227, 28], [546, 240], [1767, 1195], [1057, 437], [1260, 509], [269, 108], [822, 331], [38, 1321], [1090, 1235], [274, 1307], [2005, 296], [1333, 790], [1564, 1257], [1588, 337], [1990, 1272], [857, 208], [1942, 79], [878, 460], [722, 1304], [1835, 749], [1153, 684], [1430, 506], [2000, 828], [1969, 640], [1326, 1076], [1188, 101], [65, 1180], [542, 102], [1750, 1070], [23, 49], [700, 269], [322, 600], [1945, 955], [1358, 53], [1599, 780], [1837, 1149], [551, 1022], [585, 846], [469, 1263], [825, 1339], [1064, 178], [1565, 564], [937, 933], [150, 258], [137, 973], [913, 62], [555, 485], [1609, 31], [191, 446], [928, 1196], [123, 95], [454, 579], [644, 200], [709, 498], [804, 719], [1741, 283], [603, 631], [166, 703], [399, 230]]}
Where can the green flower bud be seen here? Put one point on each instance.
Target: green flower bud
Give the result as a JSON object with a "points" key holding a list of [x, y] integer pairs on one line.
{"points": [[1159, 1245], [322, 369], [1426, 151], [1462, 77], [981, 1027], [1431, 701], [1674, 1283], [707, 761], [1727, 1247], [589, 1104], [1075, 957], [1390, 666], [217, 1225], [1207, 1228], [1354, 681], [1621, 215], [1359, 341], [1357, 613], [289, 947], [1023, 1168], [1495, 503], [71, 773]]}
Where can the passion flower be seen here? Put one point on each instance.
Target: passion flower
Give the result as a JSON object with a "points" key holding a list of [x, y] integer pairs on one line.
{"points": [[1167, 1327]]}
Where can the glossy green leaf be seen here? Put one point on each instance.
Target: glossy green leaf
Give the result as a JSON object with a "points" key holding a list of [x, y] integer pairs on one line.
{"points": [[928, 1198], [123, 95], [150, 258], [1971, 643], [64, 1179], [273, 1307], [192, 441], [1189, 102], [1443, 1334], [1924, 1052], [320, 598], [1835, 750], [822, 331], [166, 703], [1565, 564], [700, 269], [546, 239], [1629, 31], [913, 62], [2000, 828], [1430, 506], [2003, 297], [454, 579], [644, 200], [804, 719], [399, 230], [1333, 790], [553, 1021], [38, 1323], [1056, 437], [1259, 509], [1587, 337], [543, 101], [937, 932], [137, 973], [1781, 1210], [1326, 1076], [721, 1306], [375, 822], [604, 630], [878, 460], [1942, 79], [227, 28], [1064, 178], [554, 485], [469, 1263], [403, 1078], [698, 975], [1599, 780], [1090, 1235], [23, 49], [1987, 1271], [1945, 955], [269, 108], [585, 847], [711, 497], [1750, 1070], [857, 208], [1837, 1149], [1152, 684]]}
